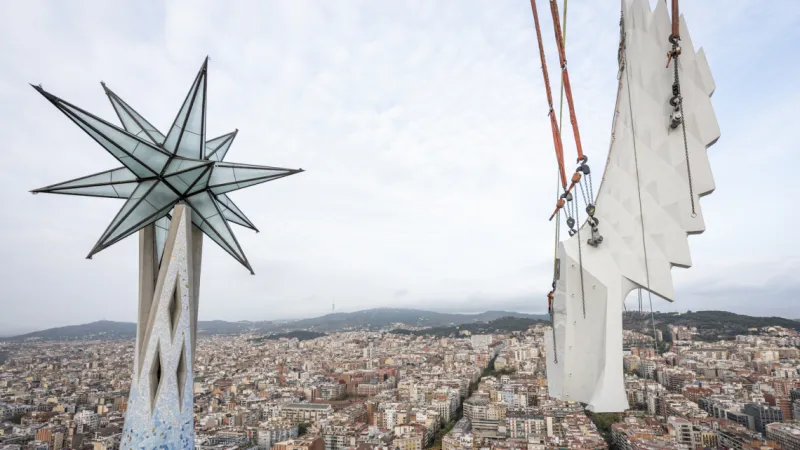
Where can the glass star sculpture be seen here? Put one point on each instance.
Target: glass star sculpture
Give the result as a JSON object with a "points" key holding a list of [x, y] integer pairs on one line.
{"points": [[160, 171]]}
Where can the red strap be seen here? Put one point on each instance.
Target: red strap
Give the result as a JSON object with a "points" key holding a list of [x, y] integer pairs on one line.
{"points": [[553, 123], [565, 77]]}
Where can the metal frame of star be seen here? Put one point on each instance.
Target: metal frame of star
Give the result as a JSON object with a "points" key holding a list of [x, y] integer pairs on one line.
{"points": [[161, 171]]}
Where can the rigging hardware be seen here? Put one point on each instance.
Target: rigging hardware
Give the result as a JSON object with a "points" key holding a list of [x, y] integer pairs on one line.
{"points": [[583, 167], [676, 101]]}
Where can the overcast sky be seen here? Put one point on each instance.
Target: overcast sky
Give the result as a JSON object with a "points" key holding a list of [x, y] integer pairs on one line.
{"points": [[423, 131]]}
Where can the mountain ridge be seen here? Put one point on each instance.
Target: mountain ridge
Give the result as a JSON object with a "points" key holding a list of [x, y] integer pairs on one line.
{"points": [[710, 324], [375, 318]]}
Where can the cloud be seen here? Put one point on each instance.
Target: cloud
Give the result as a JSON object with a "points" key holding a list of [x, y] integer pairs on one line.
{"points": [[758, 288], [421, 126]]}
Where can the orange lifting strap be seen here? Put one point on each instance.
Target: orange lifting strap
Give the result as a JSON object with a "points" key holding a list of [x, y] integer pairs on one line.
{"points": [[552, 114], [568, 91], [676, 29], [565, 77]]}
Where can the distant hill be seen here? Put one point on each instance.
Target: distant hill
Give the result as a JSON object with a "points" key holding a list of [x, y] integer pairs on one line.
{"points": [[373, 319], [102, 329], [105, 329], [223, 327], [385, 317], [501, 325], [711, 325], [300, 335]]}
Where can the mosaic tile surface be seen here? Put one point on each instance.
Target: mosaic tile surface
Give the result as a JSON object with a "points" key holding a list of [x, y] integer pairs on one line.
{"points": [[168, 421]]}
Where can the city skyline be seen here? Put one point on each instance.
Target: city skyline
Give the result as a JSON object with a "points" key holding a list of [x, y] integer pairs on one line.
{"points": [[383, 107], [414, 390]]}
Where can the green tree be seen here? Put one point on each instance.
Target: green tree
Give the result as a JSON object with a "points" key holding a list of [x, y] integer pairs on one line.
{"points": [[603, 422], [302, 429]]}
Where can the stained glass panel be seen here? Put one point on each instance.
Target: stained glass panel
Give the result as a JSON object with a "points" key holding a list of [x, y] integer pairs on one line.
{"points": [[209, 218], [132, 121], [126, 144], [148, 206], [217, 148], [232, 212], [186, 137]]}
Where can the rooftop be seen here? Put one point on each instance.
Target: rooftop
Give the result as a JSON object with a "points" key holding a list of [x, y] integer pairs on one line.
{"points": [[308, 406], [791, 428]]}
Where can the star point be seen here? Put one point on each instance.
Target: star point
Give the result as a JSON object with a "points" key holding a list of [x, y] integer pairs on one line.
{"points": [[159, 171]]}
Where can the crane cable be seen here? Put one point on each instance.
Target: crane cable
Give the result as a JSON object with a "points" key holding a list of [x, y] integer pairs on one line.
{"points": [[583, 168], [552, 293], [551, 296], [639, 189], [561, 101], [640, 302], [558, 190], [639, 192], [562, 176]]}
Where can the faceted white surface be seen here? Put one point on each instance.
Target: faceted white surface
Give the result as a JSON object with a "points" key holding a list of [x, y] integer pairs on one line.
{"points": [[589, 349]]}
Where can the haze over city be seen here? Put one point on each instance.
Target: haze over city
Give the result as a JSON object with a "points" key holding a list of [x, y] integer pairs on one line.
{"points": [[337, 237], [422, 130]]}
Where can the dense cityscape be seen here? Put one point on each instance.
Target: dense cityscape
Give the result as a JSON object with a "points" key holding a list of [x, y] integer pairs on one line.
{"points": [[394, 389]]}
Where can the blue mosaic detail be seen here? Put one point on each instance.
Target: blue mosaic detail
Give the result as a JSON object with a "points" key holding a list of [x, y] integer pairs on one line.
{"points": [[169, 423]]}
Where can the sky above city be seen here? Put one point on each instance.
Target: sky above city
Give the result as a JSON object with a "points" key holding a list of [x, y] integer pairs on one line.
{"points": [[422, 128]]}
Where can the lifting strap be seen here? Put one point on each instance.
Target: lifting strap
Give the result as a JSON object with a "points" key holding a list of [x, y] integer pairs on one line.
{"points": [[553, 125], [565, 77], [676, 29], [582, 176]]}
